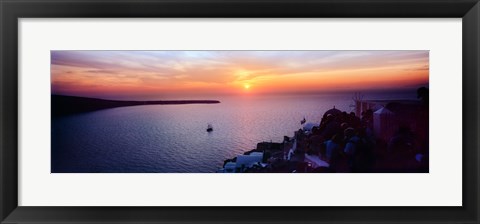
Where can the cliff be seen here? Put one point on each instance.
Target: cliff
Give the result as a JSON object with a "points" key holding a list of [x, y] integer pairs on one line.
{"points": [[63, 105]]}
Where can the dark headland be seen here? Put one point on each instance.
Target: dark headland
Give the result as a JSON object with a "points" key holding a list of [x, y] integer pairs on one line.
{"points": [[64, 105]]}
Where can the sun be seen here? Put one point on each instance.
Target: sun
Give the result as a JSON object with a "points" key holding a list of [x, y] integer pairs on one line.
{"points": [[246, 86]]}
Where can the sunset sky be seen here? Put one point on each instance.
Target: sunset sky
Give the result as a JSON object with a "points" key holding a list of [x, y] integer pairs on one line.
{"points": [[160, 75]]}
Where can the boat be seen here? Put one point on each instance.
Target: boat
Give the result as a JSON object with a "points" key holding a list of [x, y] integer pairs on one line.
{"points": [[209, 128], [303, 121]]}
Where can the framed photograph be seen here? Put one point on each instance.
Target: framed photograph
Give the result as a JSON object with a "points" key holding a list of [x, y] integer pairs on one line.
{"points": [[382, 128], [246, 112]]}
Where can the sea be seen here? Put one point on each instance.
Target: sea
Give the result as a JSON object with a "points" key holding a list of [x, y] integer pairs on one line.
{"points": [[173, 138]]}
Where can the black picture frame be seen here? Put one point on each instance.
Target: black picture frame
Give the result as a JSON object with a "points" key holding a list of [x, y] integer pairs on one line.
{"points": [[12, 10]]}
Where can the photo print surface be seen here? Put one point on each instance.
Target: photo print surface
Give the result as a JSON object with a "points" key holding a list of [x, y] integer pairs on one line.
{"points": [[239, 111]]}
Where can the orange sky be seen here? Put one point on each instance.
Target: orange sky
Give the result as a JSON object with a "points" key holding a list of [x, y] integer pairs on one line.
{"points": [[173, 74]]}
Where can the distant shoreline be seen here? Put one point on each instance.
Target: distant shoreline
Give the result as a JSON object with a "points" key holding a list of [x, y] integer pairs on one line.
{"points": [[65, 105]]}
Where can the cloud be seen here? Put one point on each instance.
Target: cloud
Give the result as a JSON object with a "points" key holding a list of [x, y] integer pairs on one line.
{"points": [[157, 70]]}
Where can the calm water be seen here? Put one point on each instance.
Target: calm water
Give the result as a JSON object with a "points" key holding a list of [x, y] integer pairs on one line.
{"points": [[173, 138]]}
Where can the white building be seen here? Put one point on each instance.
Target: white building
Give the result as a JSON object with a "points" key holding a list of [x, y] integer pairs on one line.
{"points": [[243, 162], [247, 161]]}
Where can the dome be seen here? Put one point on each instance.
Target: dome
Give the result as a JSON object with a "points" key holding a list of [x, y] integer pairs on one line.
{"points": [[383, 110], [309, 126], [333, 111]]}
